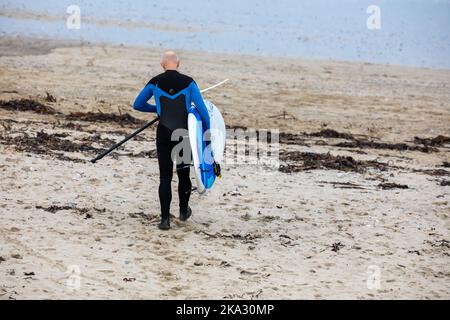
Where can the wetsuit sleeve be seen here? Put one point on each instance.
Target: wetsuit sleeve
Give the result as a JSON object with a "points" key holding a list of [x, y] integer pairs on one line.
{"points": [[141, 103], [197, 99]]}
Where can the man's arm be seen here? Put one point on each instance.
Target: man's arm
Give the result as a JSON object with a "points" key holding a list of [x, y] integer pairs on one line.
{"points": [[141, 103], [196, 97]]}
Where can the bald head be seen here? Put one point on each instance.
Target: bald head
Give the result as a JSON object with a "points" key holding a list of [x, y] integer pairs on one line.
{"points": [[170, 61]]}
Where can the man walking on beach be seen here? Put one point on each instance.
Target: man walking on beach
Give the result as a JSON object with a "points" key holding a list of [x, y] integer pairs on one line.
{"points": [[173, 92]]}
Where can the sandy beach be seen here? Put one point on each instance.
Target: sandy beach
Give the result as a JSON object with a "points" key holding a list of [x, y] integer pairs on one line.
{"points": [[359, 208]]}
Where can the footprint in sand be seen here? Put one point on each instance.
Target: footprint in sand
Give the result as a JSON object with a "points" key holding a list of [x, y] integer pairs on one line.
{"points": [[175, 291], [167, 275], [106, 271], [175, 259]]}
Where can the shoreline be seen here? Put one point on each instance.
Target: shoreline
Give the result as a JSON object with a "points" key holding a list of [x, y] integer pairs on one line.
{"points": [[55, 43], [37, 16]]}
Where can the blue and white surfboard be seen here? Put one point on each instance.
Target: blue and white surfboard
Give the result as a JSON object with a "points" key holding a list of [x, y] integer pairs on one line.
{"points": [[203, 156]]}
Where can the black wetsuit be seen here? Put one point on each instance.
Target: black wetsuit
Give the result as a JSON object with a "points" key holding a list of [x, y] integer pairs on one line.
{"points": [[174, 93]]}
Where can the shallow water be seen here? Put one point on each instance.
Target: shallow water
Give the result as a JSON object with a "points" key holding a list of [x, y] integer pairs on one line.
{"points": [[413, 32]]}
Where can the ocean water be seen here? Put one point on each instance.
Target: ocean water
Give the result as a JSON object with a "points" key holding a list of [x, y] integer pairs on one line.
{"points": [[412, 32]]}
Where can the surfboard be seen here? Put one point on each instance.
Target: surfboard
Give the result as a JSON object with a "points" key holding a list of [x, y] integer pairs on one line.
{"points": [[204, 155]]}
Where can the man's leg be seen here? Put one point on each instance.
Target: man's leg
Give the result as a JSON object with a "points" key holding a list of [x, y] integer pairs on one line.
{"points": [[164, 148], [184, 161], [184, 186]]}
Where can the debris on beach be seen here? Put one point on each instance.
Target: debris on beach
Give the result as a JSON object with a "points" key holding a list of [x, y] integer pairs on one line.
{"points": [[246, 238], [81, 211], [236, 127], [55, 143], [152, 154], [335, 247], [355, 143], [284, 115], [49, 97], [330, 133], [43, 142], [362, 144], [26, 105], [438, 141], [122, 119], [96, 138], [390, 186], [73, 126], [439, 243], [37, 107], [343, 185], [54, 208], [297, 161], [140, 214], [292, 138], [433, 172]]}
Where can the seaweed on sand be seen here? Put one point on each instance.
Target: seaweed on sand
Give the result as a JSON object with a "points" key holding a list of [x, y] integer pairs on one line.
{"points": [[26, 105], [366, 144], [43, 142], [122, 119], [437, 141], [300, 161]]}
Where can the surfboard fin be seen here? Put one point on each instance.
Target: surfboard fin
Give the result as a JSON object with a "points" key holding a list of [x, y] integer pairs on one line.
{"points": [[217, 170]]}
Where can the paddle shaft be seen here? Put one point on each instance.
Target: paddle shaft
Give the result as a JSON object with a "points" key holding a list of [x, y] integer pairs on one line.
{"points": [[118, 144]]}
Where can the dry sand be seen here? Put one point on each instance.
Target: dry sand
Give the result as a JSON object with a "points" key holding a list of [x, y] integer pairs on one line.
{"points": [[316, 233]]}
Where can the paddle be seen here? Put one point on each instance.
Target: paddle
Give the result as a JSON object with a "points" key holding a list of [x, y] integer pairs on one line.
{"points": [[118, 144]]}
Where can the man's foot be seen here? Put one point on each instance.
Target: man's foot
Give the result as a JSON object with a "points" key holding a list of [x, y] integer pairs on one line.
{"points": [[185, 215], [164, 224]]}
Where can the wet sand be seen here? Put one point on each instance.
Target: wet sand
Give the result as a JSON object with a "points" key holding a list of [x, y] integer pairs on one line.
{"points": [[357, 196]]}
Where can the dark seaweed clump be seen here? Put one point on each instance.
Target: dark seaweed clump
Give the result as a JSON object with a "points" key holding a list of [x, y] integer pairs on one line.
{"points": [[48, 144], [122, 119], [297, 161], [438, 141], [362, 144], [26, 105]]}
